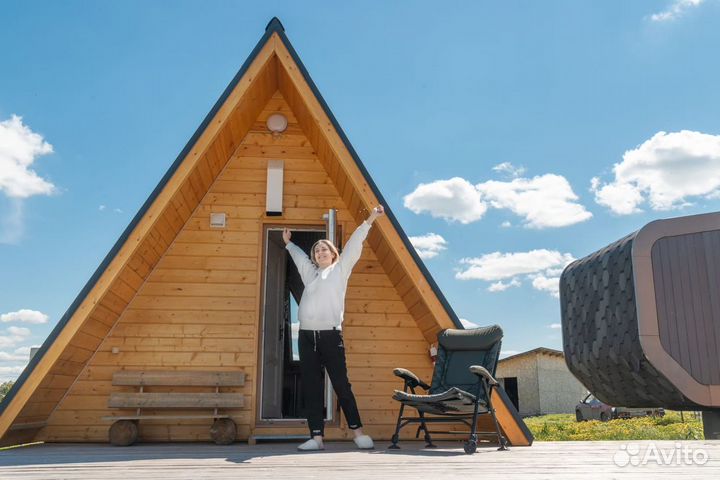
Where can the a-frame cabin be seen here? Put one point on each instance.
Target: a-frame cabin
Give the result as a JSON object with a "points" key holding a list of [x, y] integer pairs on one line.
{"points": [[177, 293]]}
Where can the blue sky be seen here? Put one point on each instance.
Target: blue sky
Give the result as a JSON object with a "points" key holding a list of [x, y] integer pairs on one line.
{"points": [[521, 134]]}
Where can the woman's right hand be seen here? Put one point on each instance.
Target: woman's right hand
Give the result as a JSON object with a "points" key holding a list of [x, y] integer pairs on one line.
{"points": [[286, 235], [375, 213]]}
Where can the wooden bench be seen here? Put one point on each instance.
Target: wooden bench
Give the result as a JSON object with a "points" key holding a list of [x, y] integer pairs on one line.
{"points": [[125, 429]]}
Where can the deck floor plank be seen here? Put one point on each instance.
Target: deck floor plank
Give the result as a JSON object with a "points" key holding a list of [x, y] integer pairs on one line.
{"points": [[556, 460]]}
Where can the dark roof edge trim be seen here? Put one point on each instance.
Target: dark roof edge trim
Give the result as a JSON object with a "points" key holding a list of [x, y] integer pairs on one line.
{"points": [[370, 181], [273, 26]]}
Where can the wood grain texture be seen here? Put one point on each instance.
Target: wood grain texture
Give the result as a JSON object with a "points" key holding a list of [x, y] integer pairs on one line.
{"points": [[556, 460], [176, 377], [175, 400]]}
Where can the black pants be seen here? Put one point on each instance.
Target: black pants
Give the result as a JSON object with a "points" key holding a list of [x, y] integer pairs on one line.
{"points": [[325, 348]]}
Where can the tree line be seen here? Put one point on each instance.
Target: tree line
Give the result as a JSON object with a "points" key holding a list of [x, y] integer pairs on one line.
{"points": [[5, 388]]}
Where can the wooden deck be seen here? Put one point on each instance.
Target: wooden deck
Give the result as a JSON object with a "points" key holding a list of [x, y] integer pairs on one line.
{"points": [[340, 460]]}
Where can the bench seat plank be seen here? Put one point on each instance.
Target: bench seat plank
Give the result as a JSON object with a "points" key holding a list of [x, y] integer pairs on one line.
{"points": [[178, 378], [27, 426], [175, 400], [164, 417]]}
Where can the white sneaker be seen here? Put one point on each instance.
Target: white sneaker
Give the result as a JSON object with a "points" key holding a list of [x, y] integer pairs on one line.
{"points": [[364, 442], [311, 445]]}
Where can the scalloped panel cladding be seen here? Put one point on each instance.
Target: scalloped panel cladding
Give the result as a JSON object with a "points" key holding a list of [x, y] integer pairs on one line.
{"points": [[600, 332]]}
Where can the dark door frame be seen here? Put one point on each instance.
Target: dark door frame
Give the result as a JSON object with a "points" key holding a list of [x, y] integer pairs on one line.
{"points": [[333, 418]]}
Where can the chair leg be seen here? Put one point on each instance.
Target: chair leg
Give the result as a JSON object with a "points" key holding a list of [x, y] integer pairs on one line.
{"points": [[501, 438], [470, 445], [423, 426], [396, 436]]}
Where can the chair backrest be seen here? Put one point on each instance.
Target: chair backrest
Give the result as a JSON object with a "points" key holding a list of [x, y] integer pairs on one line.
{"points": [[458, 350]]}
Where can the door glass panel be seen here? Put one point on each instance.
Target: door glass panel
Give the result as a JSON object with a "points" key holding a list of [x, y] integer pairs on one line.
{"points": [[295, 328]]}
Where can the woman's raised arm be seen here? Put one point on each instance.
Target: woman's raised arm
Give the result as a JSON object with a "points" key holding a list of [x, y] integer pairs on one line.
{"points": [[302, 262]]}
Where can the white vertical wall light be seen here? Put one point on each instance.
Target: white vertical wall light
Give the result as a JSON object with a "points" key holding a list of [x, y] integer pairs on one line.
{"points": [[273, 201]]}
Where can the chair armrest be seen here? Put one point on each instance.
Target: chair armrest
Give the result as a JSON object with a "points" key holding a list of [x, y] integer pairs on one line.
{"points": [[410, 378], [482, 372]]}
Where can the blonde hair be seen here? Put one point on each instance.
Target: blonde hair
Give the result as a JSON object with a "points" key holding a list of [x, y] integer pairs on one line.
{"points": [[333, 249]]}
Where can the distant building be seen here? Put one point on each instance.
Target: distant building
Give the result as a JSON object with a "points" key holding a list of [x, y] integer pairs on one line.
{"points": [[538, 382]]}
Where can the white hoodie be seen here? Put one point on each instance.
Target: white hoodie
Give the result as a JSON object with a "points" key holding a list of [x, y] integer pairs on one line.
{"points": [[323, 302]]}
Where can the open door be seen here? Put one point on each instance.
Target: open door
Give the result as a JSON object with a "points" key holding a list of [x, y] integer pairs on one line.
{"points": [[281, 382], [274, 328]]}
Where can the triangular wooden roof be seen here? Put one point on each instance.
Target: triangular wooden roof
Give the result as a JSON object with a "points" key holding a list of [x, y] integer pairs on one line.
{"points": [[273, 65]]}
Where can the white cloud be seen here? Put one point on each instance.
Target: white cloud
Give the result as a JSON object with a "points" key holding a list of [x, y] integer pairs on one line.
{"points": [[25, 350], [509, 168], [16, 335], [678, 8], [19, 147], [555, 272], [453, 200], [24, 316], [104, 208], [544, 201], [506, 224], [542, 267], [501, 286], [499, 266], [12, 357], [10, 373], [667, 171], [429, 245], [546, 284], [555, 326], [19, 331], [468, 324]]}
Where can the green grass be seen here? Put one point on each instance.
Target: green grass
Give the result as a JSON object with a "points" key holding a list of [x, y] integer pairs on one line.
{"points": [[561, 427]]}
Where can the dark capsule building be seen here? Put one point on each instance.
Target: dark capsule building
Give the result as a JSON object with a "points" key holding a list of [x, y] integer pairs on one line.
{"points": [[641, 317]]}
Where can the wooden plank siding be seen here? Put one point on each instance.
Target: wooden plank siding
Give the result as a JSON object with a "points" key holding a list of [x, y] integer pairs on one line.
{"points": [[239, 112], [199, 307]]}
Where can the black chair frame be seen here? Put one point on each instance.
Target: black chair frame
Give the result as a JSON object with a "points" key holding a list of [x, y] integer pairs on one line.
{"points": [[479, 398]]}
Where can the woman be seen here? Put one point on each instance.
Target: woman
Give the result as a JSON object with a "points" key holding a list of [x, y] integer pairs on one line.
{"points": [[320, 339]]}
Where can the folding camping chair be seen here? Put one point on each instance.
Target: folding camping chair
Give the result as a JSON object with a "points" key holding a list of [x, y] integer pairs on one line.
{"points": [[461, 386]]}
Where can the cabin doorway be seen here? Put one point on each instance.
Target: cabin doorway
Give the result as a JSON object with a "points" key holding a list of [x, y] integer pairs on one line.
{"points": [[281, 382]]}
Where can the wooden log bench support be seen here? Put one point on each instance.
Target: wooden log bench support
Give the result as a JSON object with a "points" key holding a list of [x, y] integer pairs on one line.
{"points": [[124, 430]]}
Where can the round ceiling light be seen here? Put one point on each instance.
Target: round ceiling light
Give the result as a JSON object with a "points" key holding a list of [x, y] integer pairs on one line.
{"points": [[277, 123]]}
